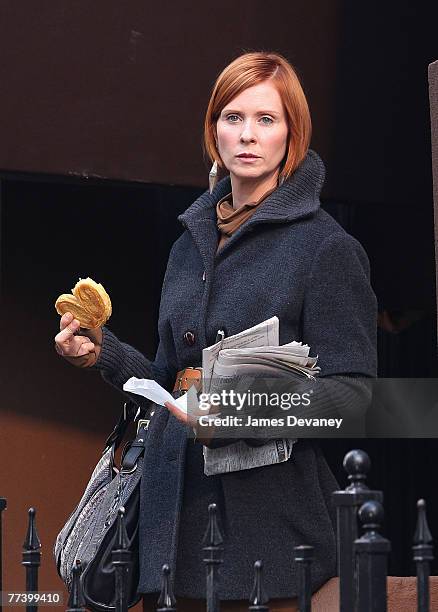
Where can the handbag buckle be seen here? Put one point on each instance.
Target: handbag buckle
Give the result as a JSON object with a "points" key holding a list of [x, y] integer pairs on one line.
{"points": [[124, 471], [143, 423]]}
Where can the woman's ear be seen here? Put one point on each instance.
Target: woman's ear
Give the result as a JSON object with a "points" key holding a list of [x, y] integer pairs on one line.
{"points": [[218, 157]]}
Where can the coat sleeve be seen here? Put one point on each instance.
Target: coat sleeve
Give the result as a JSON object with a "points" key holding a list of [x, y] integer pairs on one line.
{"points": [[119, 361], [339, 318]]}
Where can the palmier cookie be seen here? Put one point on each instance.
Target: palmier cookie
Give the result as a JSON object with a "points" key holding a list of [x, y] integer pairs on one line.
{"points": [[88, 302]]}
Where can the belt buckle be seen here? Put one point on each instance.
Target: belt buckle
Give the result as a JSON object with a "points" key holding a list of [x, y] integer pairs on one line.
{"points": [[181, 378]]}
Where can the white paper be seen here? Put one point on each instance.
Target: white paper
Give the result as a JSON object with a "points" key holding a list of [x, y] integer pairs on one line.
{"points": [[239, 456], [292, 348], [257, 366], [151, 390], [230, 356], [265, 333]]}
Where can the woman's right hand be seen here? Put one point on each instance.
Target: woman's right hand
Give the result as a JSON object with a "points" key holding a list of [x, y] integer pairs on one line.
{"points": [[80, 350]]}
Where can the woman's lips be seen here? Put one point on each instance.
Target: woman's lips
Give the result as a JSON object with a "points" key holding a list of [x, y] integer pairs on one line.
{"points": [[248, 158]]}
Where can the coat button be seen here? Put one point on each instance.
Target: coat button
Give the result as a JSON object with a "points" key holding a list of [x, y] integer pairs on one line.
{"points": [[220, 335], [189, 338]]}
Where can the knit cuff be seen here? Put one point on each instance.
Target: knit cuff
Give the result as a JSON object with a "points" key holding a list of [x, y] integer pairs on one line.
{"points": [[111, 354]]}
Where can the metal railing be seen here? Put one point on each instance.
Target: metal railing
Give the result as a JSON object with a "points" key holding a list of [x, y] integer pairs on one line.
{"points": [[362, 554]]}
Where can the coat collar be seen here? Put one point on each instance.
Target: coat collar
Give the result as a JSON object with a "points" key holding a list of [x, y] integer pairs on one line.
{"points": [[296, 198]]}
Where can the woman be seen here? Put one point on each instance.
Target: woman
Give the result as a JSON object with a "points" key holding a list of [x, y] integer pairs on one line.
{"points": [[258, 245]]}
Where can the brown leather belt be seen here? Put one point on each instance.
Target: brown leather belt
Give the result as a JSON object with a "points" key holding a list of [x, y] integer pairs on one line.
{"points": [[186, 378]]}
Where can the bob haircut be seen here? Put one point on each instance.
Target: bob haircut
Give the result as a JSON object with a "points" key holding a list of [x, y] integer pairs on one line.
{"points": [[251, 69]]}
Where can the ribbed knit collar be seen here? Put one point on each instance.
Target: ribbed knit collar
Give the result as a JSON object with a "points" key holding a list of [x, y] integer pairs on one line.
{"points": [[296, 198]]}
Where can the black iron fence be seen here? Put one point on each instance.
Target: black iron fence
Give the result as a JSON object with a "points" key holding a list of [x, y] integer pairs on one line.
{"points": [[362, 554]]}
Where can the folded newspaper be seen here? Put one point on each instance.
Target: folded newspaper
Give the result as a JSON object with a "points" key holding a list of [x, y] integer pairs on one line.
{"points": [[253, 352]]}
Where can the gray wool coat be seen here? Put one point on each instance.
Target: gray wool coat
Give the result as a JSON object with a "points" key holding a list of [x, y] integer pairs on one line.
{"points": [[290, 259]]}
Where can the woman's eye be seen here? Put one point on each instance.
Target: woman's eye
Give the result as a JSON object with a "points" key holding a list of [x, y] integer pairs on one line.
{"points": [[232, 118], [266, 120]]}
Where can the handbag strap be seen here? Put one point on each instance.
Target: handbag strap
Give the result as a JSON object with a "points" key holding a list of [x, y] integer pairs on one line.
{"points": [[135, 449], [129, 411]]}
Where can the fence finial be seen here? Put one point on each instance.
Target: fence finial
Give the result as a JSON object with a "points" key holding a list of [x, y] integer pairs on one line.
{"points": [[32, 541], [304, 558], [121, 560], [357, 464], [422, 532], [258, 600], [166, 601], [212, 558], [213, 535], [423, 555], [372, 551], [76, 602], [31, 557]]}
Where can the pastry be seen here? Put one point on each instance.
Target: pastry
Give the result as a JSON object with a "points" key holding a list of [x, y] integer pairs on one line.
{"points": [[88, 302]]}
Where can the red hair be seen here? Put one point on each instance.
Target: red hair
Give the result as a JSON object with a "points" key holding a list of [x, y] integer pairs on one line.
{"points": [[251, 69]]}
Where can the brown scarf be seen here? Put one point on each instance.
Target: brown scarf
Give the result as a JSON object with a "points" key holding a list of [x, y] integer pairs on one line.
{"points": [[230, 219]]}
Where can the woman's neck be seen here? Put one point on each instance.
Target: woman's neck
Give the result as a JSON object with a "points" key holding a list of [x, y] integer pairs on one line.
{"points": [[251, 190]]}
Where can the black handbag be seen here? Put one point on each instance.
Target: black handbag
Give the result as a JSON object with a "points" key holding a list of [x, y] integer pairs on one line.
{"points": [[89, 533]]}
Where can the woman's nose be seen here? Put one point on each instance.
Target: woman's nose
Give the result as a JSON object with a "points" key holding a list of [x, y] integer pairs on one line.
{"points": [[247, 134]]}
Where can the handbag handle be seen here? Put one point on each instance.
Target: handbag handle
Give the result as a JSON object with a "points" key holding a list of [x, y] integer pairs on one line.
{"points": [[128, 414]]}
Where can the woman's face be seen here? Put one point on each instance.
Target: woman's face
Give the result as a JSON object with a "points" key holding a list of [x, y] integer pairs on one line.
{"points": [[252, 133]]}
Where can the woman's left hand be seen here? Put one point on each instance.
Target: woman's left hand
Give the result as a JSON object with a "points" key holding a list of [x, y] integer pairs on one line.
{"points": [[188, 419], [203, 434]]}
